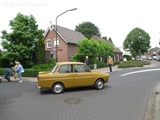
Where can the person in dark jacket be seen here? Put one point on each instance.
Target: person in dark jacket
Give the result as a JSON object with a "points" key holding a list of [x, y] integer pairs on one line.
{"points": [[8, 74], [87, 61]]}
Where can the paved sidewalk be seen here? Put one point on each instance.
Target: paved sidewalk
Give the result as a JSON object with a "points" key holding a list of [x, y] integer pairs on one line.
{"points": [[157, 103]]}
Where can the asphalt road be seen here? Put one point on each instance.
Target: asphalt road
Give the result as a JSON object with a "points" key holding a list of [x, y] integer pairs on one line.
{"points": [[125, 97]]}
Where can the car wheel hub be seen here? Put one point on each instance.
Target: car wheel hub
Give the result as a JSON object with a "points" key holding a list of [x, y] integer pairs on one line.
{"points": [[58, 88], [100, 85]]}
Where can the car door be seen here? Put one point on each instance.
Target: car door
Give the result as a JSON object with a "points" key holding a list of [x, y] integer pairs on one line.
{"points": [[66, 75], [82, 76]]}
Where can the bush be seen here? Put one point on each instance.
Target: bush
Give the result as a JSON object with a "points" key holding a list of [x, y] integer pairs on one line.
{"points": [[2, 72], [99, 65], [33, 72], [4, 62], [51, 61], [27, 72], [116, 62], [43, 66], [133, 64]]}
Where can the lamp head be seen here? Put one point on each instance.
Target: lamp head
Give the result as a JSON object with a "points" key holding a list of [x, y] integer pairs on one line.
{"points": [[73, 9]]}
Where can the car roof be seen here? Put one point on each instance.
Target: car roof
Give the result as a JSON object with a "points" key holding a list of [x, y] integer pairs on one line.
{"points": [[62, 63]]}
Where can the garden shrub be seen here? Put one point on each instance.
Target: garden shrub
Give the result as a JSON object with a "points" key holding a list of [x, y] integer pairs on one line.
{"points": [[43, 66], [133, 64], [116, 62], [27, 72], [99, 65], [33, 72], [51, 61]]}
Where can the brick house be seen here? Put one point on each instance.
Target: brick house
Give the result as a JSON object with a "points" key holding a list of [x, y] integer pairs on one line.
{"points": [[152, 52], [117, 52], [66, 43]]}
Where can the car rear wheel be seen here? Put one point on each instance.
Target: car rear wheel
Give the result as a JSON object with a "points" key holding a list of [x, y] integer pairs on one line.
{"points": [[57, 88], [99, 84]]}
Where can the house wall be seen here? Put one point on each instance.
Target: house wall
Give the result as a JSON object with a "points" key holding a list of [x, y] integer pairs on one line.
{"points": [[62, 55], [62, 52], [71, 51], [49, 36], [65, 50], [48, 55], [117, 56]]}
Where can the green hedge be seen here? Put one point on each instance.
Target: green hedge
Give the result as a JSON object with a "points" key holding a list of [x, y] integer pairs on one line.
{"points": [[27, 72], [133, 64]]}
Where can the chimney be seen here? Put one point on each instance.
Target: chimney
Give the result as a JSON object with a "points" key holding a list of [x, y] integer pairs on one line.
{"points": [[105, 38]]}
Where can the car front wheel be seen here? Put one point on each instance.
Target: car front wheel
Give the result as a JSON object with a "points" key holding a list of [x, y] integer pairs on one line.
{"points": [[99, 84], [57, 88]]}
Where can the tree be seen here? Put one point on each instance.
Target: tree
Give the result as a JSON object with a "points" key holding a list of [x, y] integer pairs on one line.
{"points": [[137, 41], [0, 53], [88, 29], [105, 49], [92, 49], [40, 49], [20, 43]]}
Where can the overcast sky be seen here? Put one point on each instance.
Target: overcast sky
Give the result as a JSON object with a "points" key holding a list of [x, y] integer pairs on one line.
{"points": [[114, 18]]}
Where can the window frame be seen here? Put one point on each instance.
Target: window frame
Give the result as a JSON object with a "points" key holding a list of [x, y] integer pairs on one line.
{"points": [[49, 45], [55, 42]]}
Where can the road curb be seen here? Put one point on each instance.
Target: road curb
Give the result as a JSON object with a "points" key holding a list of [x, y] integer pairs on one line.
{"points": [[157, 103]]}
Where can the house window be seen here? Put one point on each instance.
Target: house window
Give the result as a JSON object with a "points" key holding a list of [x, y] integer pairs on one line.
{"points": [[55, 42], [49, 44]]}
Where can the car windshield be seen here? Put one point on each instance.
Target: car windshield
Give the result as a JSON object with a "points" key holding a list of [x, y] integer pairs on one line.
{"points": [[54, 68]]}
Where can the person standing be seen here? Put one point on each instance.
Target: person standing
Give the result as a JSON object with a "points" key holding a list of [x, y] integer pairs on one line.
{"points": [[86, 60], [110, 63], [19, 70]]}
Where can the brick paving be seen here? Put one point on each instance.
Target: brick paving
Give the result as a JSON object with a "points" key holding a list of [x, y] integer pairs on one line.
{"points": [[121, 99]]}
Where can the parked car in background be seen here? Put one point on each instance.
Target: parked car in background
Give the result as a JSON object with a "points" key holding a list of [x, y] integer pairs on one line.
{"points": [[158, 58], [154, 57], [70, 75]]}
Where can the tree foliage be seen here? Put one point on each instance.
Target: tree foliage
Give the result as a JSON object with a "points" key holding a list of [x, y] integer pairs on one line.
{"points": [[105, 49], [20, 43], [88, 29], [93, 49], [40, 50], [137, 41]]}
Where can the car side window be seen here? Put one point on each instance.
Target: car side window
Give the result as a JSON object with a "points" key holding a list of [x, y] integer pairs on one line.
{"points": [[65, 69], [80, 68], [86, 69]]}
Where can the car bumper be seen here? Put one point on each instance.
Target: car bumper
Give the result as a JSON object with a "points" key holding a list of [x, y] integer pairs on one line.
{"points": [[37, 86]]}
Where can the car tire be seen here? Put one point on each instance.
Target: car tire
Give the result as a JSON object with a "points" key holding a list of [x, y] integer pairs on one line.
{"points": [[41, 91], [99, 84], [57, 88]]}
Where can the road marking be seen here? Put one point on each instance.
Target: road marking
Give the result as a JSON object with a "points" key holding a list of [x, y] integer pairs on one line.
{"points": [[139, 71]]}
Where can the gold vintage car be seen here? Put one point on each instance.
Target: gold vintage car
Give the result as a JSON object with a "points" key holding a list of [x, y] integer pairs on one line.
{"points": [[70, 75]]}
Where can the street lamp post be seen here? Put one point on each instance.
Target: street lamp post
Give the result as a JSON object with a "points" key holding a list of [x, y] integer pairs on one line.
{"points": [[56, 30]]}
